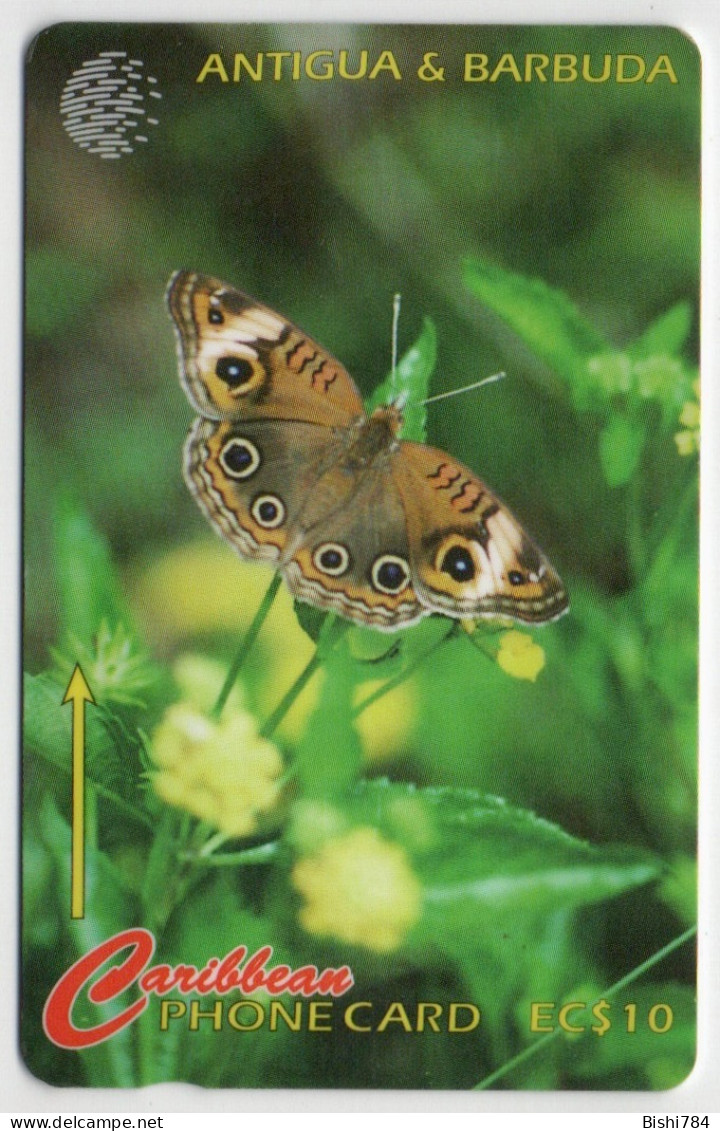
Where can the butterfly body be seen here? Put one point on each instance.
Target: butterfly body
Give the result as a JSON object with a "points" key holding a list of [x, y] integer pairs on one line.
{"points": [[289, 469]]}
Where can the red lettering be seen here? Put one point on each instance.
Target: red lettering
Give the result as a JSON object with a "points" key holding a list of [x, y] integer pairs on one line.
{"points": [[253, 975], [57, 1015], [227, 976], [185, 978], [158, 980], [206, 977], [277, 979], [334, 983], [303, 981], [222, 976]]}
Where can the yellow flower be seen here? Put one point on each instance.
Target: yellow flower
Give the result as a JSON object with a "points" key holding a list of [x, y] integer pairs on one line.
{"points": [[690, 414], [688, 441], [222, 772], [361, 889], [520, 656]]}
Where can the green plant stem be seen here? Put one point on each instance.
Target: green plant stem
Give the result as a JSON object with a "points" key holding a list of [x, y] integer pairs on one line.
{"points": [[636, 539], [163, 882], [250, 637], [666, 545], [145, 1048], [391, 684], [260, 854], [331, 631], [124, 807], [273, 722], [634, 974]]}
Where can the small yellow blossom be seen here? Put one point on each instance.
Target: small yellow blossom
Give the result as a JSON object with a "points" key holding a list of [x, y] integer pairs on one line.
{"points": [[690, 415], [222, 772], [688, 441], [520, 656], [360, 888]]}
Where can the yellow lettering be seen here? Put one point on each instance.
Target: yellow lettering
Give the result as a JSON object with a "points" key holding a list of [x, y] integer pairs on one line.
{"points": [[563, 1017], [386, 62], [536, 65], [476, 68], [169, 1010], [234, 1019], [622, 76], [278, 1009], [396, 1012], [455, 1007], [506, 66], [213, 66], [343, 67], [654, 1023], [663, 66], [350, 1017], [196, 1014], [565, 68], [326, 71], [278, 56], [541, 1011], [589, 77], [243, 61], [317, 1016], [430, 1011]]}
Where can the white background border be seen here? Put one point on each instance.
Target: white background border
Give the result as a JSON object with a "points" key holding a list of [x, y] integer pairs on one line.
{"points": [[21, 1093]]}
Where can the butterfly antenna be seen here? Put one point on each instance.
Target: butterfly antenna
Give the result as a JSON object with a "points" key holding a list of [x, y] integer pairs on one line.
{"points": [[394, 348], [465, 389]]}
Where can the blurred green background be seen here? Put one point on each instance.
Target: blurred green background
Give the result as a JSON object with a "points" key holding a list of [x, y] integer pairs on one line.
{"points": [[324, 199]]}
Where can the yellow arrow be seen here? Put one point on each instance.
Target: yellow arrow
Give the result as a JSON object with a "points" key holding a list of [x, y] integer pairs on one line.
{"points": [[78, 693]]}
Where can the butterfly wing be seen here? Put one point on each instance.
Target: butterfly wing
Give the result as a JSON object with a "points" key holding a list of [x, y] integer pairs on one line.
{"points": [[470, 556], [282, 492], [240, 359], [350, 550], [288, 469], [252, 478]]}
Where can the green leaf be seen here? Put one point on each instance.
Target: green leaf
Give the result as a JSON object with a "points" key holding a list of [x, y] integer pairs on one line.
{"points": [[108, 909], [666, 335], [509, 860], [480, 856], [119, 670], [214, 922], [330, 752], [621, 445], [410, 383], [111, 750], [310, 619], [88, 588], [545, 318]]}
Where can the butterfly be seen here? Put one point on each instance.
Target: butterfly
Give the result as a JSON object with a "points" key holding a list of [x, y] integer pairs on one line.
{"points": [[287, 466]]}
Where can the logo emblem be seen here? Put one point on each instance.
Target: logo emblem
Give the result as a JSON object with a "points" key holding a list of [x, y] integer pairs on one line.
{"points": [[107, 106]]}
